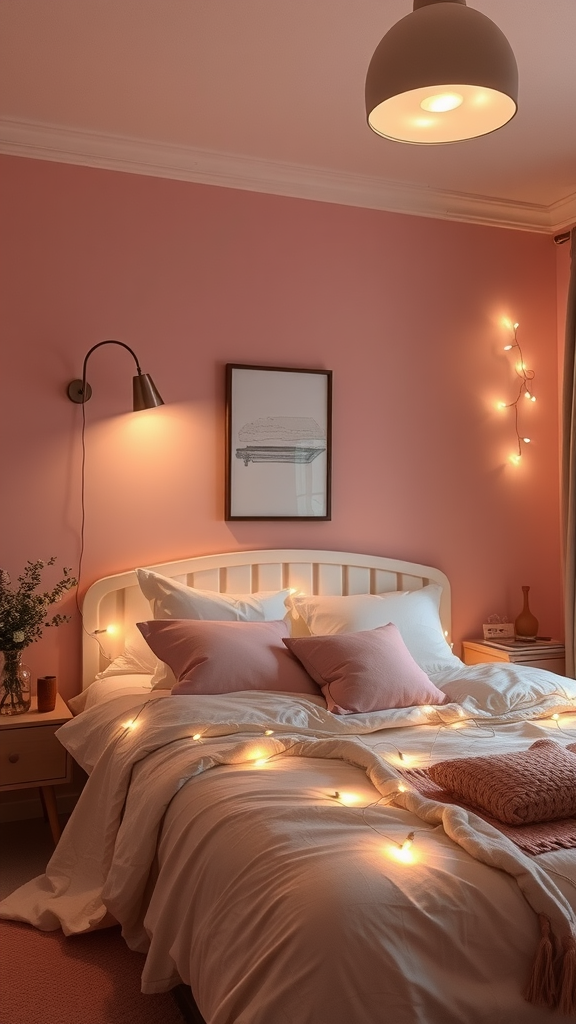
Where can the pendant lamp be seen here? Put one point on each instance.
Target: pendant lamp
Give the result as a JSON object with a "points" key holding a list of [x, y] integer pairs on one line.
{"points": [[444, 73]]}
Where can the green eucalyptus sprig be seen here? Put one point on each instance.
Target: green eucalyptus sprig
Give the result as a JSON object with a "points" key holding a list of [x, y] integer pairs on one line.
{"points": [[22, 611]]}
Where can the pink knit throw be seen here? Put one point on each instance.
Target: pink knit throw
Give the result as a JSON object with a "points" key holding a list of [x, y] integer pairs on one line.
{"points": [[533, 837]]}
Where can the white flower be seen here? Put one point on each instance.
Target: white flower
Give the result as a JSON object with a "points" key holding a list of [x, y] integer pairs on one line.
{"points": [[18, 636]]}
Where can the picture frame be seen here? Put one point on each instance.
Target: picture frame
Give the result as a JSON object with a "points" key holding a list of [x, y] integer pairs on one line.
{"points": [[278, 442]]}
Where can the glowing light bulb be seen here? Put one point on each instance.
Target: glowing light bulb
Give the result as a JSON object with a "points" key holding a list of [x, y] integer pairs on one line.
{"points": [[131, 724], [532, 398], [401, 788], [405, 856], [197, 736], [515, 459], [526, 440], [508, 347], [515, 326], [260, 761], [347, 798], [269, 732], [555, 717], [442, 102]]}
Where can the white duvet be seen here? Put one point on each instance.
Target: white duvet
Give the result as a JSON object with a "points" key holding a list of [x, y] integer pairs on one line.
{"points": [[225, 854]]}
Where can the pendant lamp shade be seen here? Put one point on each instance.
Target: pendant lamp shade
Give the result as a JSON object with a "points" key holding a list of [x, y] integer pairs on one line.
{"points": [[444, 73]]}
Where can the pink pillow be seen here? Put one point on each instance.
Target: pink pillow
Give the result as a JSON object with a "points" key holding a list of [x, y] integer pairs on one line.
{"points": [[367, 671], [223, 657], [538, 784]]}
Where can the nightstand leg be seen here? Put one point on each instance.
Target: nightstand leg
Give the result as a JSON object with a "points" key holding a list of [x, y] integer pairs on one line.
{"points": [[49, 802]]}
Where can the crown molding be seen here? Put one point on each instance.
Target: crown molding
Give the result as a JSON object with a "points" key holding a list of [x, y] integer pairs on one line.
{"points": [[185, 163]]}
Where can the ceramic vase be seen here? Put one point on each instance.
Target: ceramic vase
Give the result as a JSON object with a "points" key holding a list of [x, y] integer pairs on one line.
{"points": [[526, 625]]}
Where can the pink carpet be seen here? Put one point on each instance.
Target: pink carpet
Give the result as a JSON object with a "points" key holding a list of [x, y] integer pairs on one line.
{"points": [[86, 979]]}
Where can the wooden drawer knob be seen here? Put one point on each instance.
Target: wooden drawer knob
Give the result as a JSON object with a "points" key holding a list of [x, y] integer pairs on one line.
{"points": [[13, 758]]}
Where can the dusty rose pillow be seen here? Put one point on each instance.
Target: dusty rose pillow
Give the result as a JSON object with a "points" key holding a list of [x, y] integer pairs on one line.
{"points": [[223, 657], [538, 784], [368, 671]]}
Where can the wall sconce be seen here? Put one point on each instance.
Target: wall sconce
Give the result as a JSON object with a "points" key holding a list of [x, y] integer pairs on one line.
{"points": [[444, 73], [145, 395]]}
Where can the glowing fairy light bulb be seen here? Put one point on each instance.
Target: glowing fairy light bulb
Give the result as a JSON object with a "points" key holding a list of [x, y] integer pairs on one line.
{"points": [[526, 440], [131, 724], [197, 736], [508, 347], [346, 798], [515, 459], [269, 732], [402, 853]]}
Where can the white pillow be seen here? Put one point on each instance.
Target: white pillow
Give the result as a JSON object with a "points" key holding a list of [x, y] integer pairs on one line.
{"points": [[136, 659], [500, 688], [172, 600], [414, 612]]}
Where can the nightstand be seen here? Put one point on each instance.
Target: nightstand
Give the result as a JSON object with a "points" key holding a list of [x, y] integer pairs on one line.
{"points": [[30, 755], [475, 652]]}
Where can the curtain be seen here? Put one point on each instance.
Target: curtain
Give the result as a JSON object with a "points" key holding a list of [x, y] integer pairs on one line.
{"points": [[569, 467]]}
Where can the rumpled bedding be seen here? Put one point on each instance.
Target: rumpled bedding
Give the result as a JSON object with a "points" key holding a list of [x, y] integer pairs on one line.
{"points": [[250, 845]]}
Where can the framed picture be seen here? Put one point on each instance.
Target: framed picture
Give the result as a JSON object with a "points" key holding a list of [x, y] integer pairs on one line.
{"points": [[278, 442]]}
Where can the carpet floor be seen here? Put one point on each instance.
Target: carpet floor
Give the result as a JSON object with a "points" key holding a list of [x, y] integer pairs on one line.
{"points": [[85, 979], [49, 979]]}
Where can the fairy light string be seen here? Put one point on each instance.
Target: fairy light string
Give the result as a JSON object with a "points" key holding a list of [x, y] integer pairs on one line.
{"points": [[526, 377]]}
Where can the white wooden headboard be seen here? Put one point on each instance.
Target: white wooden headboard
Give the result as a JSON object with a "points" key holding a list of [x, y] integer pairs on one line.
{"points": [[117, 600]]}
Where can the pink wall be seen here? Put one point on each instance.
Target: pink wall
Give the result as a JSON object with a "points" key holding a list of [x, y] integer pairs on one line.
{"points": [[407, 313]]}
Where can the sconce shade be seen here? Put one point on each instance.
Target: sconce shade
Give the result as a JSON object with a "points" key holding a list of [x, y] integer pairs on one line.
{"points": [[444, 73], [145, 394]]}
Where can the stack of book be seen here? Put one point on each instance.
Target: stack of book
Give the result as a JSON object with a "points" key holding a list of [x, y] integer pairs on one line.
{"points": [[539, 644]]}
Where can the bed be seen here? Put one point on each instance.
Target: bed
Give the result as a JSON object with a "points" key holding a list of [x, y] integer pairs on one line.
{"points": [[279, 842]]}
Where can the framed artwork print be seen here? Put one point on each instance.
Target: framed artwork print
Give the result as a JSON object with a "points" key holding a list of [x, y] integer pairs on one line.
{"points": [[278, 442]]}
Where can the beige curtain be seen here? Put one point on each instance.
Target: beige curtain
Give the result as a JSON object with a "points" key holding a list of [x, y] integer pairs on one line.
{"points": [[569, 467]]}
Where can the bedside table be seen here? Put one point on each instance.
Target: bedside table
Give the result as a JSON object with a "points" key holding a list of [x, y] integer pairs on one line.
{"points": [[30, 755], [474, 652]]}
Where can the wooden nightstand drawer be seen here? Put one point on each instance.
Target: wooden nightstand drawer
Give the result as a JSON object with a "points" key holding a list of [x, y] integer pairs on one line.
{"points": [[31, 756]]}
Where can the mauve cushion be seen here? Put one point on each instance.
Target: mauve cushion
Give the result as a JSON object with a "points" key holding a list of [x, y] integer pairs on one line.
{"points": [[538, 784], [368, 671], [224, 657]]}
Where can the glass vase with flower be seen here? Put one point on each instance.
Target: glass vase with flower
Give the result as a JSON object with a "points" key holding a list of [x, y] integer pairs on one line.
{"points": [[23, 614]]}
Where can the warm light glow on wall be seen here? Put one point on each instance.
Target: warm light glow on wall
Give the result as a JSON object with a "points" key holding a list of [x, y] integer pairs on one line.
{"points": [[526, 376]]}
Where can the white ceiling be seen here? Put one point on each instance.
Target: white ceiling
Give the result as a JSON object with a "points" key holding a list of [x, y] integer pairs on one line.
{"points": [[269, 95]]}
